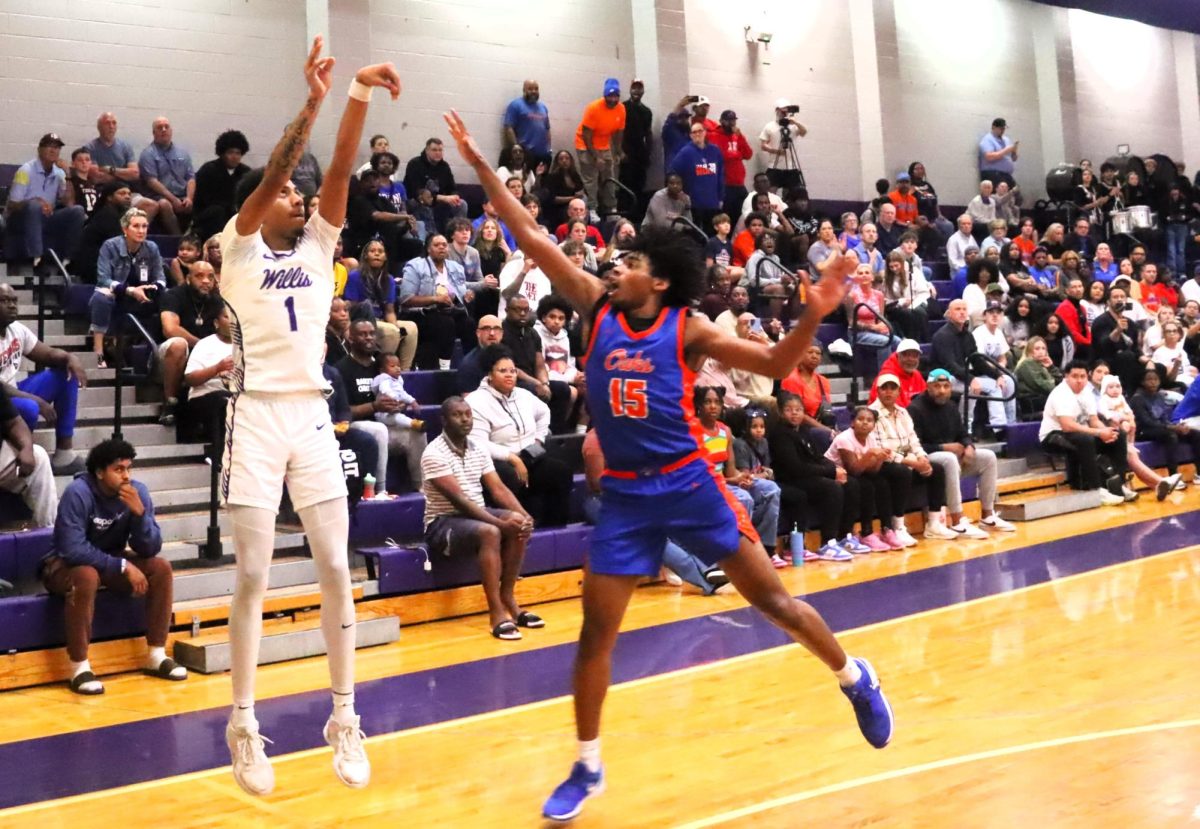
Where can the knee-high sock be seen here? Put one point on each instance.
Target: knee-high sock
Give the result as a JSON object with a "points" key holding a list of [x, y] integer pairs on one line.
{"points": [[327, 525], [253, 545]]}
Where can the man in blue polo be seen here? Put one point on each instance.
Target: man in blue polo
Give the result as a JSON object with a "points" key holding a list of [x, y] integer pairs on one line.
{"points": [[40, 208], [167, 174], [998, 155], [527, 122]]}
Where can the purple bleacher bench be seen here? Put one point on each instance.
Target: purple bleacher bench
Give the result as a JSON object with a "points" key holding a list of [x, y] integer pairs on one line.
{"points": [[430, 387]]}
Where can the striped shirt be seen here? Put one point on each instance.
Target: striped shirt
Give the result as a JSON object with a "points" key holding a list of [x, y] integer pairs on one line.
{"points": [[896, 433], [440, 460]]}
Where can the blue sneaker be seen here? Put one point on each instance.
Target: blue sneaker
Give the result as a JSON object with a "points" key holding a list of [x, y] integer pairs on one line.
{"points": [[852, 544], [831, 551], [567, 800], [871, 706]]}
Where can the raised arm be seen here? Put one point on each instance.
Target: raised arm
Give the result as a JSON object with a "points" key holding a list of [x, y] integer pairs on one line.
{"points": [[337, 175], [580, 288], [286, 155], [778, 360]]}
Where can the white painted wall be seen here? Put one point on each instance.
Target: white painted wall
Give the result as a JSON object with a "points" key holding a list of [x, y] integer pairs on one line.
{"points": [[809, 60], [945, 69]]}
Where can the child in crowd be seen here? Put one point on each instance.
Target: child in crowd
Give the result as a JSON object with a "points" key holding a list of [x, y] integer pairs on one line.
{"points": [[1117, 412], [423, 210], [189, 252], [388, 383], [551, 326], [883, 485], [750, 449]]}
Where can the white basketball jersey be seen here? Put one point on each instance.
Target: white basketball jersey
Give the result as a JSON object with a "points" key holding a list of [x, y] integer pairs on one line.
{"points": [[279, 306]]}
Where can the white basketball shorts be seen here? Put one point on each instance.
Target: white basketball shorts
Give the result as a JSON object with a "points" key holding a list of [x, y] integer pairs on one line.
{"points": [[271, 439]]}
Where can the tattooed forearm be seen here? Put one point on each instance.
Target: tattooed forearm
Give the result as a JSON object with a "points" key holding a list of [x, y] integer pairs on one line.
{"points": [[287, 152]]}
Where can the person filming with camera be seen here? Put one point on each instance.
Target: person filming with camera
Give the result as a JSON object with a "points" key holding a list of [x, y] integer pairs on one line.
{"points": [[777, 142]]}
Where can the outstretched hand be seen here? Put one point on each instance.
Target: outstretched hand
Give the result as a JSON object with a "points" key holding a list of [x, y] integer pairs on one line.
{"points": [[467, 147], [827, 294], [381, 74], [318, 71]]}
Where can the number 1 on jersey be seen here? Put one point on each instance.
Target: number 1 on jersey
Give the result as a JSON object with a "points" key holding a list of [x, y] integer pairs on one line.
{"points": [[627, 398], [290, 304]]}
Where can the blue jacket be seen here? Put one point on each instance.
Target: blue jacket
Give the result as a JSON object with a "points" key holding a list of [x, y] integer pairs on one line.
{"points": [[420, 279], [703, 172], [1189, 406], [95, 529]]}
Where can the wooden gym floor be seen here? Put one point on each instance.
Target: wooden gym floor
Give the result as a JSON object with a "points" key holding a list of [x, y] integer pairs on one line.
{"points": [[1045, 678]]}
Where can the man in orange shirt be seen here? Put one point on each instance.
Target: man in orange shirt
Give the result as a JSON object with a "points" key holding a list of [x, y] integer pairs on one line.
{"points": [[905, 200], [598, 145]]}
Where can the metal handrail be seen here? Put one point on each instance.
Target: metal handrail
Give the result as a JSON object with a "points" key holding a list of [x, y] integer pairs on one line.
{"points": [[119, 371], [968, 395], [854, 344], [619, 187], [689, 227]]}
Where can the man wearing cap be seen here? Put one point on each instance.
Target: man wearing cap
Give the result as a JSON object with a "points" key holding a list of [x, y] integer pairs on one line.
{"points": [[990, 340], [782, 167], [736, 151], [905, 200], [702, 168], [1114, 339], [638, 140], [998, 155], [954, 350], [896, 433], [903, 365], [527, 122], [598, 145], [38, 210], [952, 448]]}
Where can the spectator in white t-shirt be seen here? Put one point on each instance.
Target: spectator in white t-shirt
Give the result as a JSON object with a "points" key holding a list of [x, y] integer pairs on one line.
{"points": [[209, 366], [958, 244], [522, 277], [1071, 424]]}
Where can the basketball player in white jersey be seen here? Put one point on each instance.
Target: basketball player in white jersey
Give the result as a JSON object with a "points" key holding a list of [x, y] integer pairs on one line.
{"points": [[277, 280]]}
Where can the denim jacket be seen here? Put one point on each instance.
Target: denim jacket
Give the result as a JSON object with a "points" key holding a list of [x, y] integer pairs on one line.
{"points": [[420, 279]]}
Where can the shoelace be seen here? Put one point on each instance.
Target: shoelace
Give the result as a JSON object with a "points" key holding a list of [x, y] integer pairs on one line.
{"points": [[250, 746], [349, 742]]}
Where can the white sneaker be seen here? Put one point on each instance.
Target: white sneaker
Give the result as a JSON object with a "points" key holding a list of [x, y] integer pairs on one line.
{"points": [[904, 537], [350, 762], [1130, 495], [251, 766], [1108, 499], [934, 528], [1168, 485], [965, 529], [995, 522]]}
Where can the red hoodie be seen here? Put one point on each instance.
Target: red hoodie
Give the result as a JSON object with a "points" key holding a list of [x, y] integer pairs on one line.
{"points": [[736, 150], [1076, 321], [910, 384]]}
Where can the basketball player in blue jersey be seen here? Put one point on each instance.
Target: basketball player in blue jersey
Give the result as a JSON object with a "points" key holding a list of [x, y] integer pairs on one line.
{"points": [[277, 281], [643, 352]]}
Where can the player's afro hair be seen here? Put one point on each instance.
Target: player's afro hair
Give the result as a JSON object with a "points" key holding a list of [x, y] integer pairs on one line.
{"points": [[677, 259]]}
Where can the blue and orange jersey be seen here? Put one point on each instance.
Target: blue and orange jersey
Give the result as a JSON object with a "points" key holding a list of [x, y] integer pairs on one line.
{"points": [[640, 391]]}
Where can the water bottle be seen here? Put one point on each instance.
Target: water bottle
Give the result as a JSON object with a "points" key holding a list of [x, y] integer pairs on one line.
{"points": [[796, 543], [368, 486]]}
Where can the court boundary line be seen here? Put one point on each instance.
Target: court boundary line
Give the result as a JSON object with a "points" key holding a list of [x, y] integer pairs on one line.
{"points": [[933, 765], [530, 706]]}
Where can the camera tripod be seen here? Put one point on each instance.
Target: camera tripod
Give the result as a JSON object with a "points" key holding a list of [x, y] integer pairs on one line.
{"points": [[786, 176]]}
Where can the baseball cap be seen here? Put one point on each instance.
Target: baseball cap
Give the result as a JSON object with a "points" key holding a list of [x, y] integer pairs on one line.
{"points": [[729, 115], [903, 177], [999, 122], [908, 345], [884, 379], [50, 139], [783, 103], [939, 374], [993, 306], [993, 288], [611, 87], [1122, 277], [637, 82], [701, 101]]}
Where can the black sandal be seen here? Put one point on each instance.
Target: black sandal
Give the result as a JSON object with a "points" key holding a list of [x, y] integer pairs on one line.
{"points": [[100, 360], [82, 679], [166, 670], [506, 630], [530, 620]]}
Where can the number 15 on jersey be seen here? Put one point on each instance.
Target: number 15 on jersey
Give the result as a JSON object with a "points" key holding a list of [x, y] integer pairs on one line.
{"points": [[627, 398]]}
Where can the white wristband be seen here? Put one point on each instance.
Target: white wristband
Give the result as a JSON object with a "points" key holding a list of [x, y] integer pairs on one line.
{"points": [[359, 91]]}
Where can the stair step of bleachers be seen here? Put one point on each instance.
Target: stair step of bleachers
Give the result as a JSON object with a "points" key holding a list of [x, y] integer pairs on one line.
{"points": [[205, 583], [211, 654], [1032, 506], [163, 478], [1011, 467], [178, 499], [91, 415], [298, 597], [139, 434], [175, 452], [189, 526], [1036, 479], [190, 550], [106, 396]]}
